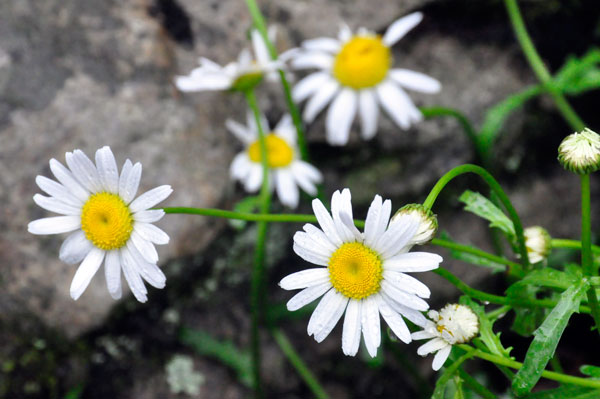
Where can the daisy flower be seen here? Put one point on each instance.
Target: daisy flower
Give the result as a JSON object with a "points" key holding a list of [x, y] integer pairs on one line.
{"points": [[286, 170], [360, 274], [453, 324], [356, 75], [105, 221], [245, 73], [538, 243]]}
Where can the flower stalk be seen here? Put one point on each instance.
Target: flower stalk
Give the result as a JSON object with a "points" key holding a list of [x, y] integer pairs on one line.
{"points": [[586, 247]]}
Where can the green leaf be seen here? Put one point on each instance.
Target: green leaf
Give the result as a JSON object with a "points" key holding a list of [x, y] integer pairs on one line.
{"points": [[472, 258], [566, 392], [579, 75], [526, 319], [249, 204], [486, 333], [546, 338], [591, 371], [486, 209], [547, 277], [224, 351], [495, 116], [449, 372]]}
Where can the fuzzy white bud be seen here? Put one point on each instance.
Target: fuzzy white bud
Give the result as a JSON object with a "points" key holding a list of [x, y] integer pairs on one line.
{"points": [[428, 224], [538, 243], [580, 152]]}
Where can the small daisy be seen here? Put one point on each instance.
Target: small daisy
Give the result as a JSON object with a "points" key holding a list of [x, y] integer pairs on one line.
{"points": [[247, 72], [355, 75], [453, 324], [286, 170], [106, 222], [361, 274], [538, 243]]}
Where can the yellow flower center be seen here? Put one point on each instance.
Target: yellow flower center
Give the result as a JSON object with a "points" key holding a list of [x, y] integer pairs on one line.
{"points": [[363, 62], [106, 221], [279, 153], [355, 270]]}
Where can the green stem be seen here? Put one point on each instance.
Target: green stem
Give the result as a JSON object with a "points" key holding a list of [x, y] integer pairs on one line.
{"points": [[303, 371], [494, 314], [257, 298], [515, 269], [250, 217], [586, 246], [497, 299], [475, 385], [551, 375], [449, 372], [493, 184], [259, 23], [574, 244], [536, 63]]}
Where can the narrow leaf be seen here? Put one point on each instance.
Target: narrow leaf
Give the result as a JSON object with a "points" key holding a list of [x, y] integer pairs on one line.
{"points": [[546, 338], [483, 207], [449, 372], [486, 333], [566, 392], [592, 371], [547, 277]]}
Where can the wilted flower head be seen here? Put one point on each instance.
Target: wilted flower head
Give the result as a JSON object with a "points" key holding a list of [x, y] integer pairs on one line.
{"points": [[356, 74], [105, 221], [243, 74], [538, 243], [363, 275], [453, 324], [580, 152], [428, 223]]}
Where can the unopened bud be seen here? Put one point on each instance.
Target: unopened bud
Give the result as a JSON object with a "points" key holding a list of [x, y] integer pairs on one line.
{"points": [[428, 224], [580, 152], [538, 243]]}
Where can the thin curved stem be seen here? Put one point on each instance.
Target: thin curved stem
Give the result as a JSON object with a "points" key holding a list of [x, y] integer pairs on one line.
{"points": [[586, 247], [259, 23], [493, 184], [257, 298], [550, 375], [536, 63], [303, 371]]}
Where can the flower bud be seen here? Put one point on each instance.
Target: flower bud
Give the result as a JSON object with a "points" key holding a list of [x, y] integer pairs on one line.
{"points": [[428, 224], [538, 243], [457, 324], [580, 152]]}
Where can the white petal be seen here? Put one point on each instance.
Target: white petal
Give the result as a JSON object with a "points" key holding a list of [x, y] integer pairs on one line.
{"points": [[326, 222], [395, 321], [287, 190], [352, 328], [312, 243], [151, 233], [431, 346], [260, 48], [75, 248], [54, 225], [377, 220], [413, 262], [149, 216], [403, 298], [371, 325], [320, 99], [200, 80], [305, 180], [349, 223], [341, 203], [319, 240], [345, 33], [254, 178], [150, 198], [324, 311], [411, 314], [394, 104], [58, 191], [422, 335], [240, 131], [286, 130], [406, 283], [340, 116], [369, 112], [440, 357], [397, 236], [312, 59], [112, 274], [415, 81], [307, 295], [401, 27], [55, 205], [335, 312], [84, 170], [145, 247], [326, 44], [136, 285], [107, 169], [305, 278], [148, 270], [309, 85], [129, 182], [86, 271], [66, 178], [310, 256], [240, 166]]}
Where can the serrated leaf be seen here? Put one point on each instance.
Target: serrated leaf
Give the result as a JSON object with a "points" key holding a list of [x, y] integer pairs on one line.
{"points": [[566, 392], [526, 319], [547, 277], [579, 75], [546, 338], [486, 333], [483, 207], [224, 351]]}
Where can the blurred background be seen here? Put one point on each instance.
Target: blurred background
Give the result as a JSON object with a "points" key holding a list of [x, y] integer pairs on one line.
{"points": [[83, 74]]}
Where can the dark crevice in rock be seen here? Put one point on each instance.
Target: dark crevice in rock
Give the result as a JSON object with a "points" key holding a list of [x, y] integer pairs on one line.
{"points": [[175, 20]]}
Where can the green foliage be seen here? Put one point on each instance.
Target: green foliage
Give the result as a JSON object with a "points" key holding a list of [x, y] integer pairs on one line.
{"points": [[546, 338], [224, 351], [248, 204], [486, 333], [591, 371], [548, 277], [579, 75], [484, 208], [450, 372], [566, 392], [471, 257]]}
